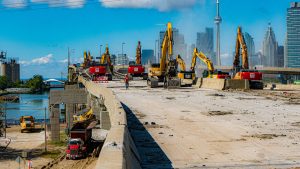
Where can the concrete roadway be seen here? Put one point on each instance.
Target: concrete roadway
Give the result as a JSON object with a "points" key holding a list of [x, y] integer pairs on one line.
{"points": [[197, 128]]}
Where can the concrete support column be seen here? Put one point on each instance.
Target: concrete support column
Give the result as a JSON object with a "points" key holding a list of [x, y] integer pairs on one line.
{"points": [[70, 109], [54, 122]]}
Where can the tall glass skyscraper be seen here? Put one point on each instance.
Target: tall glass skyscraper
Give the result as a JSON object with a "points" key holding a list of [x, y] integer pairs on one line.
{"points": [[205, 43], [292, 58], [269, 48], [251, 49]]}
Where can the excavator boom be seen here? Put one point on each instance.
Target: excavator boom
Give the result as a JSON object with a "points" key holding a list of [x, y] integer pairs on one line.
{"points": [[180, 62], [138, 54], [240, 43], [203, 58], [166, 70], [137, 69], [242, 71]]}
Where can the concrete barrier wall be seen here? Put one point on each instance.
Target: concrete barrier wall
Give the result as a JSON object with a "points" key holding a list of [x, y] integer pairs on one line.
{"points": [[118, 151], [211, 83], [221, 84], [237, 84], [284, 87]]}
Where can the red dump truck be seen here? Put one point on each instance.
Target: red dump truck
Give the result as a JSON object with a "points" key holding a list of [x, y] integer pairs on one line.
{"points": [[79, 142], [99, 72]]}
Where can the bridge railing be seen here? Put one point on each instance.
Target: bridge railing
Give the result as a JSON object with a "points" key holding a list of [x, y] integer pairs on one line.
{"points": [[118, 151]]}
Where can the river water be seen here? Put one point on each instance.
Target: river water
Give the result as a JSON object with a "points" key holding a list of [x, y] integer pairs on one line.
{"points": [[29, 105]]}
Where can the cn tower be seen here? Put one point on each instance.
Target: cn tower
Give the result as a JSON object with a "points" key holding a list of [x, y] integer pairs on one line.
{"points": [[218, 21]]}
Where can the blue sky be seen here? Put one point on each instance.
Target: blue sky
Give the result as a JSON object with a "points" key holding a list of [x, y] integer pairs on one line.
{"points": [[39, 32]]}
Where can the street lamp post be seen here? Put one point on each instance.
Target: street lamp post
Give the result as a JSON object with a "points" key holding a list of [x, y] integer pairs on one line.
{"points": [[123, 54], [100, 49], [156, 49]]}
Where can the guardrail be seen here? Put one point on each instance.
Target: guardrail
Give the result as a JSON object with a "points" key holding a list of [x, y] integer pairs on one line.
{"points": [[118, 151]]}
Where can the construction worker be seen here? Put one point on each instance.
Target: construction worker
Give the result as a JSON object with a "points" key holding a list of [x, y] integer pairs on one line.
{"points": [[126, 80]]}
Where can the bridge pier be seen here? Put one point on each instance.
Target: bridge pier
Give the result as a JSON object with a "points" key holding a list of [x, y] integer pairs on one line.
{"points": [[71, 96], [54, 122]]}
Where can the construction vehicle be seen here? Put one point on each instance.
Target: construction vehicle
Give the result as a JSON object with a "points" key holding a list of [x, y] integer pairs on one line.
{"points": [[186, 77], [136, 69], [79, 142], [210, 72], [166, 70], [102, 70], [241, 71], [87, 59], [84, 115], [27, 123]]}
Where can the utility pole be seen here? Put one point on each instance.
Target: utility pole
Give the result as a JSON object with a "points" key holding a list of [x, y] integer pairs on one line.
{"points": [[5, 120], [123, 58], [69, 57], [218, 21], [45, 129]]}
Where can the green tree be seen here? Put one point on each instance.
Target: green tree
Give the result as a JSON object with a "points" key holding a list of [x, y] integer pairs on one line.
{"points": [[35, 83], [3, 82]]}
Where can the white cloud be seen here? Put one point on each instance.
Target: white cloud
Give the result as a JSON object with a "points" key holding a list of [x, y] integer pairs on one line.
{"points": [[51, 3], [63, 61], [24, 62], [14, 3], [42, 60], [161, 5], [38, 61]]}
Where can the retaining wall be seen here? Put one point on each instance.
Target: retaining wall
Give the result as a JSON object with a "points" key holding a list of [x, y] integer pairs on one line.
{"points": [[221, 84], [118, 151]]}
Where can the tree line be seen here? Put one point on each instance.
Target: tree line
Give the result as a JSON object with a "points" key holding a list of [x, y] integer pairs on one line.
{"points": [[35, 83]]}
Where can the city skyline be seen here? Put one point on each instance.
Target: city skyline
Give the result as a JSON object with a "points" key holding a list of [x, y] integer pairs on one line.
{"points": [[40, 37]]}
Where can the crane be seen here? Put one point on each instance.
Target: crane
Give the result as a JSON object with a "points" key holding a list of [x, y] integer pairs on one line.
{"points": [[166, 70], [137, 69], [241, 71], [210, 73]]}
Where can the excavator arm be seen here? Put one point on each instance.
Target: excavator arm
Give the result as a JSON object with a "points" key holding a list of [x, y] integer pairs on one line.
{"points": [[203, 58], [181, 63], [138, 54], [166, 47], [105, 59], [240, 43]]}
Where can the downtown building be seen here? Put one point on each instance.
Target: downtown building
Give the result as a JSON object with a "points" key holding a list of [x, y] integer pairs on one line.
{"points": [[205, 43], [269, 51], [148, 56], [252, 57], [292, 44], [179, 46], [121, 59]]}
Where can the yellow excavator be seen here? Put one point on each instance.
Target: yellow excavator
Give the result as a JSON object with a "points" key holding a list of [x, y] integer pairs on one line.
{"points": [[166, 70], [85, 115], [242, 72], [210, 72], [105, 59], [87, 59], [186, 77]]}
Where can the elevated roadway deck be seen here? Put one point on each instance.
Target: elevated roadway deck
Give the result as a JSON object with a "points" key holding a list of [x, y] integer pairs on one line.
{"points": [[196, 128]]}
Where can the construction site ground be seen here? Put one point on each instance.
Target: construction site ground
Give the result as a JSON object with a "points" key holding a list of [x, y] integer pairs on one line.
{"points": [[201, 128], [33, 143]]}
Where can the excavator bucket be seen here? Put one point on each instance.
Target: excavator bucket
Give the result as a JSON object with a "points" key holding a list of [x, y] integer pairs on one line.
{"points": [[173, 83]]}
